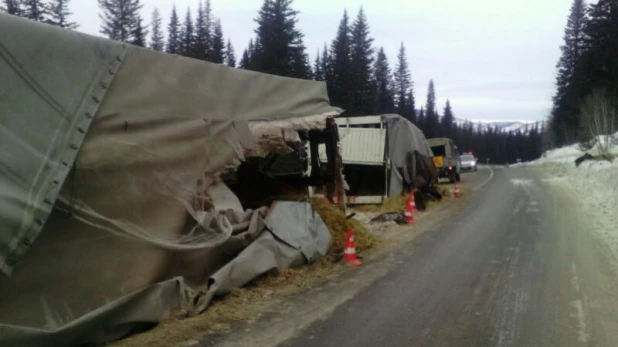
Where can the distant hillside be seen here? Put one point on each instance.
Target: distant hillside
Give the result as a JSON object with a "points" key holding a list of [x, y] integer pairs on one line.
{"points": [[505, 126]]}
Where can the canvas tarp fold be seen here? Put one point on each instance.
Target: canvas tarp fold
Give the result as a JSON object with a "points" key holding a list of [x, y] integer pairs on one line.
{"points": [[403, 138], [295, 236], [51, 86]]}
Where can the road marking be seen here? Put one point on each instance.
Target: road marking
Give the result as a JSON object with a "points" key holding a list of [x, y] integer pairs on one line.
{"points": [[532, 210], [487, 180], [578, 306], [520, 182]]}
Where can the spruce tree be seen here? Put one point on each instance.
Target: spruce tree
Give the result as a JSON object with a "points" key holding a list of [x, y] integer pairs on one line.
{"points": [[139, 33], [218, 44], [410, 108], [230, 55], [431, 116], [157, 40], [565, 109], [119, 19], [34, 10], [361, 66], [245, 61], [598, 68], [338, 76], [402, 82], [209, 20], [448, 121], [325, 63], [279, 48], [308, 67], [596, 71], [203, 31], [174, 42], [383, 80], [187, 36], [13, 7], [318, 75], [59, 14], [420, 120]]}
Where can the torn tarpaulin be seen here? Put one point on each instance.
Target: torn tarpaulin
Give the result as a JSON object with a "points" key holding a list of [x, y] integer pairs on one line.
{"points": [[295, 236]]}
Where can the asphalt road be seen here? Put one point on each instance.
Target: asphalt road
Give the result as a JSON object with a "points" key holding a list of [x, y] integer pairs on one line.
{"points": [[519, 267]]}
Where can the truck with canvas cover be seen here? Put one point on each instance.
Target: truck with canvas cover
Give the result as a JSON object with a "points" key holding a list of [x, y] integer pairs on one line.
{"points": [[113, 208], [383, 156], [446, 158]]}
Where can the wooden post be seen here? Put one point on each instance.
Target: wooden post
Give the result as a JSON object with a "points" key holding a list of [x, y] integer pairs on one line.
{"points": [[337, 163]]}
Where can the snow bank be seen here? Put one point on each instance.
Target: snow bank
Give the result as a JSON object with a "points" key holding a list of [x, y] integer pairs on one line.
{"points": [[564, 155], [595, 184]]}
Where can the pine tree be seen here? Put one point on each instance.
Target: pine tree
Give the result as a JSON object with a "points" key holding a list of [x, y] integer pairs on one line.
{"points": [[402, 82], [218, 44], [384, 94], [119, 19], [448, 121], [279, 48], [338, 75], [13, 7], [34, 10], [157, 39], [230, 55], [139, 33], [174, 42], [187, 36], [431, 116], [318, 75], [59, 14], [564, 110], [361, 66], [203, 31]]}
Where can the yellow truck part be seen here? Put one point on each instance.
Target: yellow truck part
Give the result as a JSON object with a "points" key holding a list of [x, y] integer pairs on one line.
{"points": [[438, 161]]}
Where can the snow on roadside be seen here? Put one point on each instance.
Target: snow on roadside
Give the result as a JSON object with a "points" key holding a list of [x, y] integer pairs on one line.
{"points": [[595, 182]]}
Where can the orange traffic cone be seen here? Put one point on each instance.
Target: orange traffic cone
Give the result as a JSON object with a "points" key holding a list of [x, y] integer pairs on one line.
{"points": [[349, 253], [412, 202], [410, 207], [457, 192]]}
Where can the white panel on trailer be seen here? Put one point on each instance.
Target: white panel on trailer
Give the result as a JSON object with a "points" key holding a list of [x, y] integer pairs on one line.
{"points": [[364, 146]]}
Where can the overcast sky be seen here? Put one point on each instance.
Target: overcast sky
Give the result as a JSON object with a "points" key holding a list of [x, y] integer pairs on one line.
{"points": [[494, 59]]}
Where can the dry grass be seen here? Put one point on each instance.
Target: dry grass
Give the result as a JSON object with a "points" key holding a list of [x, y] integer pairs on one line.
{"points": [[605, 157], [395, 203], [367, 208], [338, 225]]}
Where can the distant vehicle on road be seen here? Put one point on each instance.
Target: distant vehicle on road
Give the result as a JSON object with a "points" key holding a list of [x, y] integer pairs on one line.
{"points": [[468, 162], [446, 158]]}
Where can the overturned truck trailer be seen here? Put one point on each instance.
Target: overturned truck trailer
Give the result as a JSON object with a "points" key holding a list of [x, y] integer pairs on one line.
{"points": [[383, 156], [113, 209]]}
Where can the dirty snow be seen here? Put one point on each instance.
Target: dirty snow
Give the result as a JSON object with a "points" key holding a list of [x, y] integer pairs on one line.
{"points": [[595, 184]]}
